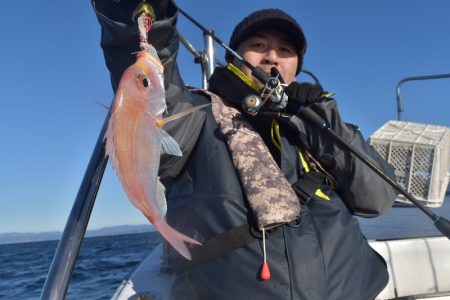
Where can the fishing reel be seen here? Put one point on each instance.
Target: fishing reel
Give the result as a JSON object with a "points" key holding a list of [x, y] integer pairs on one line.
{"points": [[272, 96]]}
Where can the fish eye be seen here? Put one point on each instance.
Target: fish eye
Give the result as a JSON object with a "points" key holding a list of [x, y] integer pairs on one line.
{"points": [[144, 81]]}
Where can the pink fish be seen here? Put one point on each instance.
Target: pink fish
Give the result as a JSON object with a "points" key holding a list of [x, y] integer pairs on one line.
{"points": [[135, 139]]}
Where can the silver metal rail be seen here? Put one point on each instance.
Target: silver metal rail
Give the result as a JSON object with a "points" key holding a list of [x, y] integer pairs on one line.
{"points": [[66, 254], [198, 57], [209, 64], [399, 84], [205, 59]]}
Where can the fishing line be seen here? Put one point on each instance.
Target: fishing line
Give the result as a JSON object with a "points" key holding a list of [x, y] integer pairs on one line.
{"points": [[257, 72]]}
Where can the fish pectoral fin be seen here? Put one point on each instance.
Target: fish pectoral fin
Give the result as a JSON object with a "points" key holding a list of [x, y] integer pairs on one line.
{"points": [[169, 145], [161, 122], [161, 197]]}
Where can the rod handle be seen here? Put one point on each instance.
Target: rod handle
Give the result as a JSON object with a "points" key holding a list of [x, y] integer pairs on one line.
{"points": [[308, 114]]}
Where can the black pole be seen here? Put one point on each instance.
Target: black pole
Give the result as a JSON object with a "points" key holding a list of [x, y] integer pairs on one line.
{"points": [[442, 224], [63, 263]]}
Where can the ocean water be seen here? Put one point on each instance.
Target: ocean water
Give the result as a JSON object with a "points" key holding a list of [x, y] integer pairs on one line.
{"points": [[404, 222], [102, 264]]}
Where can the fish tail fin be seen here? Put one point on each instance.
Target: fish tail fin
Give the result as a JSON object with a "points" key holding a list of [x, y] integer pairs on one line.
{"points": [[161, 122], [176, 239]]}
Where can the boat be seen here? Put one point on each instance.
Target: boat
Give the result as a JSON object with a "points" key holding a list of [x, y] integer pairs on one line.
{"points": [[419, 267], [428, 277]]}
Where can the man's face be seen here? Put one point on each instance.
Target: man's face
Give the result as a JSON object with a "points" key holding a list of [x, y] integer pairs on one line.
{"points": [[267, 49]]}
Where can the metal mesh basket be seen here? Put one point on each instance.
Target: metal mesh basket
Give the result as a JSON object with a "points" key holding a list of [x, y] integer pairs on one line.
{"points": [[420, 154]]}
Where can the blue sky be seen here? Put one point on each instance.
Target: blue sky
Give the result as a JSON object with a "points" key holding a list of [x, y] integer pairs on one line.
{"points": [[53, 73]]}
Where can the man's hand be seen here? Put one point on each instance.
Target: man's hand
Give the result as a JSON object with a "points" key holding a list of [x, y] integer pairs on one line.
{"points": [[302, 94]]}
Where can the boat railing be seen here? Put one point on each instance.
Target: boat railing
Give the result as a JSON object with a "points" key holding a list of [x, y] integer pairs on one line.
{"points": [[412, 78]]}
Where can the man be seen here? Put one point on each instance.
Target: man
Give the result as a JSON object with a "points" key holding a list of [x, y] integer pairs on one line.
{"points": [[257, 187], [266, 47]]}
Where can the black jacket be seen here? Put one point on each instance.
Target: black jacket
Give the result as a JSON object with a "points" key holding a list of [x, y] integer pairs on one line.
{"points": [[326, 257]]}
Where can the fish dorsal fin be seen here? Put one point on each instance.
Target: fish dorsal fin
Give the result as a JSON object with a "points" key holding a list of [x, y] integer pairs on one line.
{"points": [[161, 197], [169, 145]]}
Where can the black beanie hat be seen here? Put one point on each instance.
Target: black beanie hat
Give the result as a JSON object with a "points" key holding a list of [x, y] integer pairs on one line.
{"points": [[271, 18]]}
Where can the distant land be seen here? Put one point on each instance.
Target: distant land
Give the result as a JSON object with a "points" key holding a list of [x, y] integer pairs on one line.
{"points": [[24, 237]]}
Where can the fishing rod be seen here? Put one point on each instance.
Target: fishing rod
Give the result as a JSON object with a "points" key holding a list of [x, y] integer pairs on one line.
{"points": [[442, 224], [309, 115]]}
